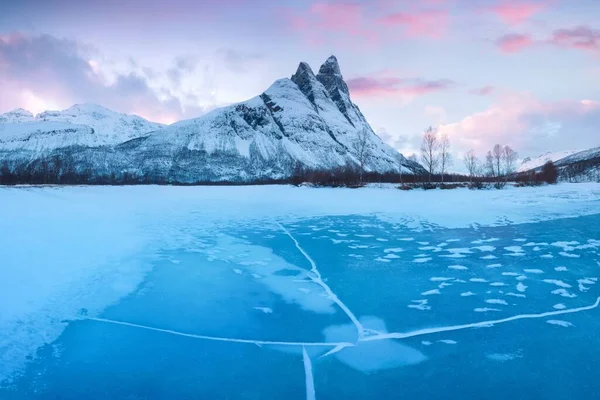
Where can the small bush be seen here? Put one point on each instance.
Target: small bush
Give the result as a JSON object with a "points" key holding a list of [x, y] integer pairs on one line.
{"points": [[478, 185], [452, 186], [429, 186], [405, 187]]}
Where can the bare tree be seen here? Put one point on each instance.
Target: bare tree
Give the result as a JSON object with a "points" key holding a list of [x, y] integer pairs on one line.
{"points": [[471, 163], [445, 156], [497, 154], [489, 164], [509, 161], [429, 151], [362, 150]]}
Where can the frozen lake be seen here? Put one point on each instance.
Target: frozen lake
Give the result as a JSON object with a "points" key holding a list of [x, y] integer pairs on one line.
{"points": [[282, 292]]}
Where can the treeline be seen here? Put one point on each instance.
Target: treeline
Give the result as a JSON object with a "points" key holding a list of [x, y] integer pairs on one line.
{"points": [[352, 176], [57, 171], [586, 169], [549, 174]]}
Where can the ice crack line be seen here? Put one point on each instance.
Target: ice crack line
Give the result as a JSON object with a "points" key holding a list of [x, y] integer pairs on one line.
{"points": [[315, 276], [224, 339], [310, 382], [429, 331]]}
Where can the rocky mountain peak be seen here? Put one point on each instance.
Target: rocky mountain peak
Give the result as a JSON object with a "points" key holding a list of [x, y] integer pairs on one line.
{"points": [[330, 67], [331, 77], [303, 69]]}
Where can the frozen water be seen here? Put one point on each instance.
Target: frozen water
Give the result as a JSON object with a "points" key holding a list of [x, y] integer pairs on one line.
{"points": [[281, 292]]}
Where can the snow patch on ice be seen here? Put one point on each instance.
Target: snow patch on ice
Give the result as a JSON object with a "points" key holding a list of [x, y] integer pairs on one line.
{"points": [[422, 260], [557, 282], [496, 301], [447, 341], [420, 305], [504, 357], [393, 250], [564, 293], [265, 310], [558, 322], [485, 248], [458, 267], [370, 356], [521, 287]]}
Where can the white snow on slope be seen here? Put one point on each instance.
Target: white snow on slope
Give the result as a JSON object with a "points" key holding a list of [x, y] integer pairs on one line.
{"points": [[16, 116], [82, 124], [531, 163]]}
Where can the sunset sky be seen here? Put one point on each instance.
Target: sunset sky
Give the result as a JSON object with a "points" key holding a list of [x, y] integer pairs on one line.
{"points": [[524, 73]]}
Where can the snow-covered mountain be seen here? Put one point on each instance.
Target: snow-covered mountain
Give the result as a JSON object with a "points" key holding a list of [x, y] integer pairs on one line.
{"points": [[573, 166], [308, 120], [109, 127], [16, 116], [80, 125], [533, 163]]}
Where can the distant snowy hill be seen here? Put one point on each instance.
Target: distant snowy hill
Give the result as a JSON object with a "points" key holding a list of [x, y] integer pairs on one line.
{"points": [[80, 125], [109, 127], [308, 120], [576, 166], [16, 116], [533, 163]]}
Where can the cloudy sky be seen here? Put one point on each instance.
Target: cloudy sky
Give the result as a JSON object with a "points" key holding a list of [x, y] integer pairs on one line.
{"points": [[522, 72]]}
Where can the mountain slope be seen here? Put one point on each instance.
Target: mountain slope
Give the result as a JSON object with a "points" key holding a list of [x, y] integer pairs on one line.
{"points": [[109, 127], [533, 163], [16, 116], [574, 166], [307, 120], [85, 125]]}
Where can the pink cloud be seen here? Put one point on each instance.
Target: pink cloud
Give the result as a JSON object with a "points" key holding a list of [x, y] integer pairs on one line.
{"points": [[581, 38], [483, 91], [337, 16], [426, 87], [527, 124], [323, 22], [515, 13], [513, 43], [390, 86], [421, 23]]}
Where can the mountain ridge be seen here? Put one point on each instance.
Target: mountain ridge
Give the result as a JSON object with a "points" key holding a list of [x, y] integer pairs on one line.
{"points": [[306, 120]]}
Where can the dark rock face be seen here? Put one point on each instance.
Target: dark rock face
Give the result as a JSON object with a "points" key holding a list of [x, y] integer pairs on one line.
{"points": [[331, 77], [305, 79]]}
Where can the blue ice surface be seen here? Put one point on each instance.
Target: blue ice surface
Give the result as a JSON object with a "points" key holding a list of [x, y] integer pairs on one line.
{"points": [[252, 282]]}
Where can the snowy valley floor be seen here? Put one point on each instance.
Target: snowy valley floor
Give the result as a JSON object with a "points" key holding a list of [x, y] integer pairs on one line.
{"points": [[281, 292]]}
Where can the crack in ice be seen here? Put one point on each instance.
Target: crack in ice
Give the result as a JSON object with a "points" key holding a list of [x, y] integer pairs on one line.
{"points": [[429, 331], [223, 339], [310, 382], [319, 281]]}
